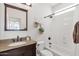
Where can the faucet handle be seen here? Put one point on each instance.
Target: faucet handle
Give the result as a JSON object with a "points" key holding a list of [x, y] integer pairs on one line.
{"points": [[13, 40], [28, 37], [21, 39]]}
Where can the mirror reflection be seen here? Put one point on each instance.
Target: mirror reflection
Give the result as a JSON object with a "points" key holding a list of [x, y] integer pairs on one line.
{"points": [[15, 18]]}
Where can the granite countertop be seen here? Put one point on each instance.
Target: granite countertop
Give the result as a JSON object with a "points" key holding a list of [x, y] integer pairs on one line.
{"points": [[4, 45]]}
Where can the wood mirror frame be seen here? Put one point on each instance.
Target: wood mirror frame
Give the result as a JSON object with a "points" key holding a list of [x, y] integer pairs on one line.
{"points": [[17, 8]]}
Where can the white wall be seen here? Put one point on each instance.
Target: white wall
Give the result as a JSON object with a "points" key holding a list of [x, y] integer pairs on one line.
{"points": [[36, 13], [61, 37], [74, 21], [39, 10], [13, 34], [59, 28], [62, 31], [60, 6]]}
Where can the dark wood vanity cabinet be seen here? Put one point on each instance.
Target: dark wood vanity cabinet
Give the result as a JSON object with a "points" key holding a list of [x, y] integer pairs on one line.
{"points": [[29, 50]]}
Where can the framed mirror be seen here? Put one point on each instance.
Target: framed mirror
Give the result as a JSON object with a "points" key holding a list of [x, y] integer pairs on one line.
{"points": [[15, 18]]}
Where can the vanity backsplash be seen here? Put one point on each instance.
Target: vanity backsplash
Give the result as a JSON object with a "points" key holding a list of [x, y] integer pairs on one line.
{"points": [[17, 39]]}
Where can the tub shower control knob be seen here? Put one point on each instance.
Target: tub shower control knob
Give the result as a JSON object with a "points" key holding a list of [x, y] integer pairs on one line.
{"points": [[50, 43], [49, 38], [49, 46]]}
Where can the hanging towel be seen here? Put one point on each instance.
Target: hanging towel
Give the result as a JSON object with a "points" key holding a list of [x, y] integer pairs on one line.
{"points": [[76, 33]]}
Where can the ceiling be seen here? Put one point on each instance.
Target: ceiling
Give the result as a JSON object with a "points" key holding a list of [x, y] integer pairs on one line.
{"points": [[48, 4]]}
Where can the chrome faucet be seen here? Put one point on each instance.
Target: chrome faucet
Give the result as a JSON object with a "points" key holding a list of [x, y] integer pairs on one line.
{"points": [[18, 38]]}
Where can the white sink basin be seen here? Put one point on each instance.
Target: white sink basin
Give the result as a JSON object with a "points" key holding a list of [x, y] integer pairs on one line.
{"points": [[17, 43]]}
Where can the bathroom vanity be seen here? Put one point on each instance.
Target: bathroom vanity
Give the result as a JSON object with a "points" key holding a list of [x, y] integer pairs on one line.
{"points": [[28, 49]]}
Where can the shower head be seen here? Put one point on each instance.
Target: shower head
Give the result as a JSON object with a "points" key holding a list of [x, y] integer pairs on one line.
{"points": [[51, 16]]}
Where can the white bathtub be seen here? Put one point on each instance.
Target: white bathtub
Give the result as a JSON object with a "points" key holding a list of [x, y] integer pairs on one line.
{"points": [[59, 52]]}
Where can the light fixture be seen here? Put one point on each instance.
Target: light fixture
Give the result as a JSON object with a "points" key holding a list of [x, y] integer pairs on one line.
{"points": [[28, 4]]}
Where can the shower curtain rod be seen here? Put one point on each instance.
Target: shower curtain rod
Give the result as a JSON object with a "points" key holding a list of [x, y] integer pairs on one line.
{"points": [[60, 11]]}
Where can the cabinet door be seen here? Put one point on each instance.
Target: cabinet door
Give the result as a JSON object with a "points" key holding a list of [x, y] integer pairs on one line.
{"points": [[30, 50], [34, 49], [13, 52]]}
